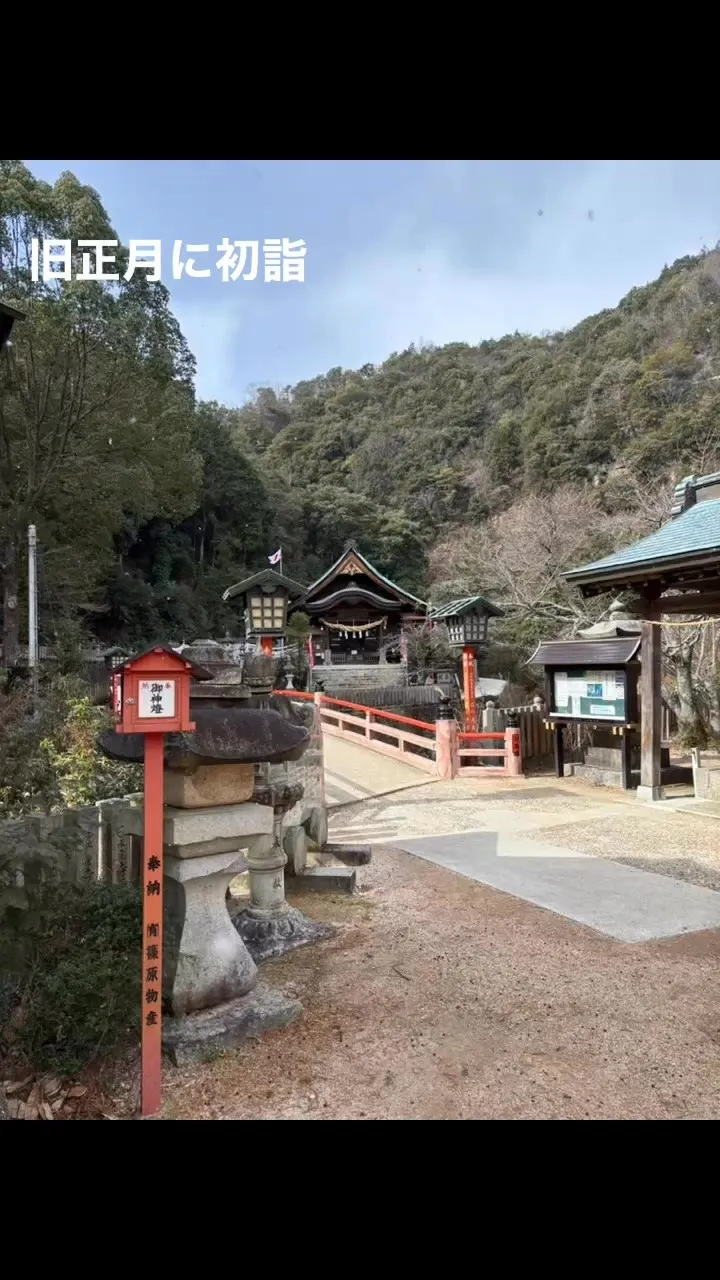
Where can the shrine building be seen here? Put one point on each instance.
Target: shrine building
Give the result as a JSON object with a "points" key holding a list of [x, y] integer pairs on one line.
{"points": [[357, 614], [358, 617]]}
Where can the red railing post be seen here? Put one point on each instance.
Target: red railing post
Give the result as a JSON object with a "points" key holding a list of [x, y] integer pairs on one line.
{"points": [[447, 761], [513, 752]]}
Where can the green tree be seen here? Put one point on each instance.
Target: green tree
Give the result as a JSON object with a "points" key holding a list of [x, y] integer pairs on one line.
{"points": [[96, 400]]}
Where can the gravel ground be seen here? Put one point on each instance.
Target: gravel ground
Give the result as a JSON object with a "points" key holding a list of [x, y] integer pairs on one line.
{"points": [[441, 999], [670, 843]]}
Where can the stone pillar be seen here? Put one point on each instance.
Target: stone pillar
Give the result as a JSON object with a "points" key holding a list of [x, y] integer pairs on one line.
{"points": [[447, 760], [493, 719], [318, 740], [270, 926], [650, 712], [209, 963], [266, 865], [308, 772]]}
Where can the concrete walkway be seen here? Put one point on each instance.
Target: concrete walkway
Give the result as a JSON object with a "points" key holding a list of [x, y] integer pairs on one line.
{"points": [[547, 843], [619, 901], [354, 773]]}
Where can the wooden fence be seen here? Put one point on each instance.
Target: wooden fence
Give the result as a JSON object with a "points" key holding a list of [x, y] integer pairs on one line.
{"points": [[536, 742]]}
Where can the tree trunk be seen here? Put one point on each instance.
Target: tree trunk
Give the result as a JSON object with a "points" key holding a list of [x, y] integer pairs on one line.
{"points": [[11, 611], [714, 690], [715, 708], [690, 724]]}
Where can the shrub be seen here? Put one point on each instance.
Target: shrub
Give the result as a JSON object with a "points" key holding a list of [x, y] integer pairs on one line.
{"points": [[70, 974], [82, 774], [50, 759]]}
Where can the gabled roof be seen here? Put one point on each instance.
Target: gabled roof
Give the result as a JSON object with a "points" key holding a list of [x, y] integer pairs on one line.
{"points": [[351, 553], [456, 608], [265, 578], [354, 593], [694, 535], [585, 653]]}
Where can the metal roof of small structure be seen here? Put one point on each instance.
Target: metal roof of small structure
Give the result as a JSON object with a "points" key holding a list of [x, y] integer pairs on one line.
{"points": [[197, 672], [265, 577], [456, 608], [586, 653], [692, 535], [352, 549]]}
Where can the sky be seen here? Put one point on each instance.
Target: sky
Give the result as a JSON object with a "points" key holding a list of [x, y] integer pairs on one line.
{"points": [[400, 251]]}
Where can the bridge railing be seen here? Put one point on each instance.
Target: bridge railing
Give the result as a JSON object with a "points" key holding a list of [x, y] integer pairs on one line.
{"points": [[413, 741], [477, 756], [439, 748], [386, 732]]}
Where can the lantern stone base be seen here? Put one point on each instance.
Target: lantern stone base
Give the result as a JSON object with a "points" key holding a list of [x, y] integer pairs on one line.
{"points": [[199, 1036], [269, 927], [271, 934], [206, 962]]}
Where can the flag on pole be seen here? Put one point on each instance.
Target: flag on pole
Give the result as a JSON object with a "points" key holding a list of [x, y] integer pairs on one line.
{"points": [[277, 557]]}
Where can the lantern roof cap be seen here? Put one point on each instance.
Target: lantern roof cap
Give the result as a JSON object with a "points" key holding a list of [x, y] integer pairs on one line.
{"points": [[265, 578], [179, 663], [468, 604]]}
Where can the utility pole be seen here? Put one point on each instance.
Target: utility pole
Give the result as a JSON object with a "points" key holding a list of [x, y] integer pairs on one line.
{"points": [[32, 610]]}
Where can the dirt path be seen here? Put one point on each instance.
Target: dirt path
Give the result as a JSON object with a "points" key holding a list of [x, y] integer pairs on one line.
{"points": [[441, 999]]}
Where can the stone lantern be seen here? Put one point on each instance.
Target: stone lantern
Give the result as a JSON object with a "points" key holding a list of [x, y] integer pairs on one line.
{"points": [[466, 621], [221, 820], [266, 596]]}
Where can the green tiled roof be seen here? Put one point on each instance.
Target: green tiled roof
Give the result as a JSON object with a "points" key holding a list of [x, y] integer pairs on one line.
{"points": [[695, 532], [268, 577], [457, 607]]}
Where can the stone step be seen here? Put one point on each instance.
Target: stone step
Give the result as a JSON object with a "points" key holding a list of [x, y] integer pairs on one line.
{"points": [[356, 677]]}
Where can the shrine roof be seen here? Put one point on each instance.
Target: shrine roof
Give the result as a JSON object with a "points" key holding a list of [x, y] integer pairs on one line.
{"points": [[689, 539], [456, 608], [353, 592], [352, 560]]}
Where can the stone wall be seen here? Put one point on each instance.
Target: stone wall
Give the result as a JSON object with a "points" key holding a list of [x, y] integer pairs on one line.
{"points": [[335, 677], [90, 843]]}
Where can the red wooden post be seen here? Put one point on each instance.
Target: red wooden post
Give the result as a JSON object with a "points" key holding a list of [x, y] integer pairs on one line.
{"points": [[154, 699], [469, 681], [152, 956]]}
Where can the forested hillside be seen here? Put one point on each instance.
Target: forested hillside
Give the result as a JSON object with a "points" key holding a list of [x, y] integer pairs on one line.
{"points": [[433, 461]]}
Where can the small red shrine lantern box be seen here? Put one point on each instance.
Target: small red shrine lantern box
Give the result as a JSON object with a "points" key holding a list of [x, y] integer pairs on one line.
{"points": [[155, 694]]}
